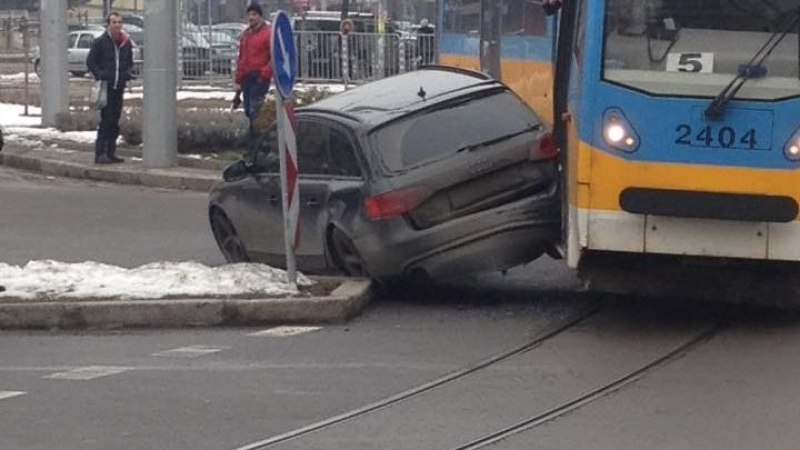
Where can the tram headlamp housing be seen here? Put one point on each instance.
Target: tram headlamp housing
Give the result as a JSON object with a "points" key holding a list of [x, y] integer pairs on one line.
{"points": [[792, 148], [618, 132]]}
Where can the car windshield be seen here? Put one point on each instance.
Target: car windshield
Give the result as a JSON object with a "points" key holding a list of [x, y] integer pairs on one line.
{"points": [[695, 48], [464, 124]]}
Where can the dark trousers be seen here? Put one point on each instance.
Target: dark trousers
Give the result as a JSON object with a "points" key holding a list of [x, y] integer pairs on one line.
{"points": [[108, 132], [253, 93]]}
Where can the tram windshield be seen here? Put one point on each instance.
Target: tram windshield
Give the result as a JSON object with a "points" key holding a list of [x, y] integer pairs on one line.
{"points": [[697, 47]]}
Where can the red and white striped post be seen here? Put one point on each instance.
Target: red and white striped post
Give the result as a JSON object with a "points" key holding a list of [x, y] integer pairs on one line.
{"points": [[284, 65], [289, 182]]}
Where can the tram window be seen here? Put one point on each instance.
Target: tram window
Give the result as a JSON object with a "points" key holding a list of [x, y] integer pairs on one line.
{"points": [[523, 17]]}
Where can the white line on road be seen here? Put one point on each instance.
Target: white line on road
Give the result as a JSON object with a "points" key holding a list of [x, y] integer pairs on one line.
{"points": [[10, 394], [190, 352], [88, 373], [284, 331]]}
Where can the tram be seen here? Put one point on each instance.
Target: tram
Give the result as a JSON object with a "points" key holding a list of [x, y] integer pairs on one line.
{"points": [[679, 124]]}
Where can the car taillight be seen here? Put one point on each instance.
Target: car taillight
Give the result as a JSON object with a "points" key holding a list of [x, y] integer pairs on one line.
{"points": [[547, 148], [395, 203]]}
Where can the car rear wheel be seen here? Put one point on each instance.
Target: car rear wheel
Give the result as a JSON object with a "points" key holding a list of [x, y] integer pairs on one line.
{"points": [[345, 255], [228, 241]]}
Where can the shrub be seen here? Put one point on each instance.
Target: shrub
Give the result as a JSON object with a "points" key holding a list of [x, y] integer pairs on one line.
{"points": [[203, 130], [78, 120]]}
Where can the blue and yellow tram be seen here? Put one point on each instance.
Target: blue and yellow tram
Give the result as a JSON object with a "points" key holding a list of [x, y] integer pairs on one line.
{"points": [[521, 45], [680, 129]]}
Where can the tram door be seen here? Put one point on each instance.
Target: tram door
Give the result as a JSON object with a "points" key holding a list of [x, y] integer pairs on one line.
{"points": [[490, 37]]}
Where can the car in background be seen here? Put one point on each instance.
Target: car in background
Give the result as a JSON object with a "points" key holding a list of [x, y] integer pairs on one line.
{"points": [[224, 49], [232, 29], [440, 172], [79, 42]]}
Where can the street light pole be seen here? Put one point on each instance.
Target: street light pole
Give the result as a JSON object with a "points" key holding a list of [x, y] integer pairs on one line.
{"points": [[160, 84], [54, 83]]}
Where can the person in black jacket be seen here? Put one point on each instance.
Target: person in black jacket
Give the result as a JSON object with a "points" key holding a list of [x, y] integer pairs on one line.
{"points": [[111, 60]]}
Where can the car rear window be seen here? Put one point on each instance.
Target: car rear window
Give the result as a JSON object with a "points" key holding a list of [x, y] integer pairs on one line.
{"points": [[436, 134]]}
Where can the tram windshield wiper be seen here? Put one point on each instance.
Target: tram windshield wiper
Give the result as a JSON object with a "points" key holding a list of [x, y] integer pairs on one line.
{"points": [[754, 68]]}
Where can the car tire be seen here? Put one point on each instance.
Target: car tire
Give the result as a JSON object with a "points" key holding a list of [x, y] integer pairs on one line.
{"points": [[78, 74], [231, 246], [345, 255], [37, 67]]}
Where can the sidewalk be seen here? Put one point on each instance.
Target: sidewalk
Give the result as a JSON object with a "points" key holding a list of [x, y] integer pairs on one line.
{"points": [[76, 160], [337, 299]]}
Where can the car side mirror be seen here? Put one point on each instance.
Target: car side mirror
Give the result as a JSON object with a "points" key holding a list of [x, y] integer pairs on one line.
{"points": [[236, 171]]}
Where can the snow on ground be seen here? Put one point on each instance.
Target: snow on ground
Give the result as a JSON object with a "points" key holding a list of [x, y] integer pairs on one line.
{"points": [[12, 115], [23, 129], [52, 280], [26, 130], [18, 76]]}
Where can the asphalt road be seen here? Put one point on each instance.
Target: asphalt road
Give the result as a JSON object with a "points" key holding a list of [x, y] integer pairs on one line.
{"points": [[518, 361], [72, 221]]}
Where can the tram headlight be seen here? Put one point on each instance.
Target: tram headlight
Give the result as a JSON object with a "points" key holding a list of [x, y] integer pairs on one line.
{"points": [[618, 131], [792, 148]]}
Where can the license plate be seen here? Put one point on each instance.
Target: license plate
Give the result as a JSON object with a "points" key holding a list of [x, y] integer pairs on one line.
{"points": [[742, 129]]}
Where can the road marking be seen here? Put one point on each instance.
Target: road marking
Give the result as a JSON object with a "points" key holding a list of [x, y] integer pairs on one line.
{"points": [[192, 351], [10, 394], [88, 373], [284, 331]]}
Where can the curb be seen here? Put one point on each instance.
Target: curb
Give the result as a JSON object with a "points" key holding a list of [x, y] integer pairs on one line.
{"points": [[98, 173], [345, 302]]}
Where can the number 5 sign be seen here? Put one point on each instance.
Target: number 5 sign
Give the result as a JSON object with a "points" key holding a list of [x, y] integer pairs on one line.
{"points": [[690, 62]]}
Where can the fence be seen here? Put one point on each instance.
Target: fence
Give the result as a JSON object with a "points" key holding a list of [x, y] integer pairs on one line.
{"points": [[207, 54]]}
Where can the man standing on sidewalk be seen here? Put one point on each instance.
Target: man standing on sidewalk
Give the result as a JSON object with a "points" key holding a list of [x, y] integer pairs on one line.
{"points": [[110, 60], [254, 69]]}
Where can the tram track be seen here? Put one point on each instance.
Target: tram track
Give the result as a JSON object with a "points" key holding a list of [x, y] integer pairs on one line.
{"points": [[593, 395], [542, 337]]}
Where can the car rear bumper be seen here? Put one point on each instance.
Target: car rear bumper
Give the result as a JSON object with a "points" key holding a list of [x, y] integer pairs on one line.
{"points": [[491, 240]]}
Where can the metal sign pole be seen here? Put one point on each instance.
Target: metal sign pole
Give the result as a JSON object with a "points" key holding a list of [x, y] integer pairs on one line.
{"points": [[284, 66], [285, 137]]}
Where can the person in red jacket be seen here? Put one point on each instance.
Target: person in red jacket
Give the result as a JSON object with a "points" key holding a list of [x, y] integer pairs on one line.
{"points": [[254, 68]]}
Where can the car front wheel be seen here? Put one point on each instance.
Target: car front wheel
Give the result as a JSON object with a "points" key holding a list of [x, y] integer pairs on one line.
{"points": [[227, 239]]}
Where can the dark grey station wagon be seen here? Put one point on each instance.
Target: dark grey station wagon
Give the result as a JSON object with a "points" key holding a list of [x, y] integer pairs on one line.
{"points": [[440, 172]]}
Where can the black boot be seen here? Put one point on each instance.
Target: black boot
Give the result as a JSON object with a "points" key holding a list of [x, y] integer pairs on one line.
{"points": [[100, 150], [112, 152]]}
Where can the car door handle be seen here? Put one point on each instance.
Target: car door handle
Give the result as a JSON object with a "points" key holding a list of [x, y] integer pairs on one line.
{"points": [[272, 199], [312, 202]]}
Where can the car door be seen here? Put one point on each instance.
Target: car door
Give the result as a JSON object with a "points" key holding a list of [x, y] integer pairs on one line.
{"points": [[312, 143], [260, 223]]}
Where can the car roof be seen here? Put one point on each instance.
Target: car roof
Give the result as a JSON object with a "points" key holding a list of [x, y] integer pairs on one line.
{"points": [[381, 101]]}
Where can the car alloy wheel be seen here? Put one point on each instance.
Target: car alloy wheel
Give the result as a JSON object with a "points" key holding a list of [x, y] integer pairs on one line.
{"points": [[228, 241], [346, 256]]}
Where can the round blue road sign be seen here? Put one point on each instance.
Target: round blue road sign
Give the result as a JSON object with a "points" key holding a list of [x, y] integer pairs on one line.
{"points": [[284, 56]]}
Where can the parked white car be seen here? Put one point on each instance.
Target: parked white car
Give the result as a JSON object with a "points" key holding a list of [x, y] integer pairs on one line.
{"points": [[79, 43]]}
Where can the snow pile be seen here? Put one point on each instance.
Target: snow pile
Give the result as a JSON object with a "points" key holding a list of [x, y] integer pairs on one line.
{"points": [[52, 280]]}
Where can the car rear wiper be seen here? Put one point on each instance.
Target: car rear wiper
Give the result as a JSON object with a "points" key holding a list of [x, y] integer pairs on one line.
{"points": [[752, 69], [505, 137]]}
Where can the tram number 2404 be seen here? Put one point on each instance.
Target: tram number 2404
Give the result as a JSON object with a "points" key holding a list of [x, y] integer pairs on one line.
{"points": [[725, 137]]}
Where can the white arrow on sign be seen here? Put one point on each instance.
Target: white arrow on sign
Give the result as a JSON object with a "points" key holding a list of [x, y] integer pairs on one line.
{"points": [[287, 66]]}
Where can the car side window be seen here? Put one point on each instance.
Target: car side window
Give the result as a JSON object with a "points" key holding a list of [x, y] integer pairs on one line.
{"points": [[266, 158], [85, 41], [342, 154], [71, 40], [313, 142]]}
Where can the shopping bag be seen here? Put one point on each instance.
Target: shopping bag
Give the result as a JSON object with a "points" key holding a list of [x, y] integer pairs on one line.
{"points": [[98, 96]]}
